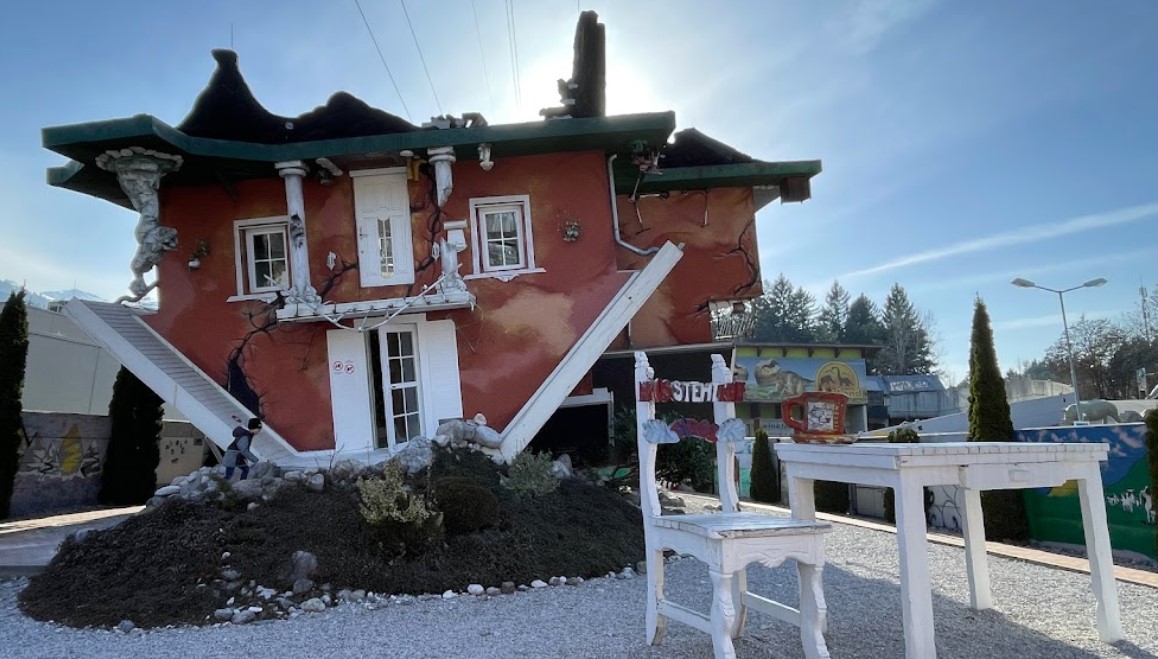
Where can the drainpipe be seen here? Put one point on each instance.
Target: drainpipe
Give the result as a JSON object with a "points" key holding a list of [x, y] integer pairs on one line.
{"points": [[615, 213]]}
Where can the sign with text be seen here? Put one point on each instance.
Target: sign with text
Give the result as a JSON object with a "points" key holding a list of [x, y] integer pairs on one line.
{"points": [[679, 391]]}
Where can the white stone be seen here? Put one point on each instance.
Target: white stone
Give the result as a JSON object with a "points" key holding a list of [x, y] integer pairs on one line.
{"points": [[448, 595], [538, 583], [493, 591], [475, 589], [168, 490], [313, 605], [316, 483]]}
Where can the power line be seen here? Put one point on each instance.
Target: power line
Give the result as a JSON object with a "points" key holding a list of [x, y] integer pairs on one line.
{"points": [[383, 58], [420, 57], [482, 52], [513, 41]]}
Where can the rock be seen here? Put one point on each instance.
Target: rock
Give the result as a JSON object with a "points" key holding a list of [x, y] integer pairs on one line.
{"points": [[641, 567], [285, 603], [626, 574], [266, 593], [492, 591], [125, 626], [153, 502], [344, 595], [523, 588], [538, 583], [316, 483], [263, 470], [313, 605], [475, 589], [575, 581], [558, 581], [507, 587], [415, 455], [294, 477], [561, 467], [81, 535], [302, 586], [358, 595], [167, 491], [327, 600], [230, 574], [304, 565], [223, 614], [448, 595], [248, 489], [225, 556], [243, 616]]}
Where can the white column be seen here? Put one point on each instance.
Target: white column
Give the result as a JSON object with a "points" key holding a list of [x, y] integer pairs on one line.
{"points": [[976, 561], [441, 158], [916, 589], [1098, 548], [302, 290]]}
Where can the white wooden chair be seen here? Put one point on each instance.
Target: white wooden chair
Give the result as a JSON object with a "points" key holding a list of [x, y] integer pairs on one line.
{"points": [[727, 541]]}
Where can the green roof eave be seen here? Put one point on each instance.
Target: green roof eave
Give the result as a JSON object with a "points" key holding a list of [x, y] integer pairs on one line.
{"points": [[739, 175], [84, 142]]}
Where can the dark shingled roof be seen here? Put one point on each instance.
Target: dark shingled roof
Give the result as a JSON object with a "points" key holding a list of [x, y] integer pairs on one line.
{"points": [[227, 110], [692, 149]]}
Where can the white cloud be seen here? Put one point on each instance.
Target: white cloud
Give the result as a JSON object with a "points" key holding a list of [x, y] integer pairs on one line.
{"points": [[1031, 234], [1048, 320]]}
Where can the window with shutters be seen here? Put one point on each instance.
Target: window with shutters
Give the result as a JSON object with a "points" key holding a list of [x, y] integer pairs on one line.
{"points": [[382, 222]]}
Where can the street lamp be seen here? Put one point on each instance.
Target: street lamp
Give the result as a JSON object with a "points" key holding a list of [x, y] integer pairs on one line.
{"points": [[1093, 283]]}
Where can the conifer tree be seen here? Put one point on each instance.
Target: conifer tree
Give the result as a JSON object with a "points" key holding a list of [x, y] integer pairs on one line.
{"points": [[129, 476], [13, 357], [764, 486], [990, 421]]}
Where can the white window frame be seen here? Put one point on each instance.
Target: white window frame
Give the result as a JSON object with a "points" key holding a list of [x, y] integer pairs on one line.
{"points": [[521, 204], [389, 386], [367, 235], [243, 232]]}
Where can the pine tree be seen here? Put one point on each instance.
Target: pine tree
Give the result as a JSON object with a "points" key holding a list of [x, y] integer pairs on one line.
{"points": [[990, 421], [13, 357], [834, 315], [764, 484], [907, 348], [784, 313], [130, 470], [863, 325]]}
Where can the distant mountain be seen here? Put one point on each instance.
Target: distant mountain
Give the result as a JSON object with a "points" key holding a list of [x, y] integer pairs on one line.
{"points": [[42, 300]]}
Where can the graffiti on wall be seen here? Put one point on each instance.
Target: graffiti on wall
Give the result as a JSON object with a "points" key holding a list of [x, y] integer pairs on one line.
{"points": [[73, 453], [1055, 513]]}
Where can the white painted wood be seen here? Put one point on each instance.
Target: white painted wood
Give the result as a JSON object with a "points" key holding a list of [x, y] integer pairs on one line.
{"points": [[583, 355], [522, 205], [350, 393], [1108, 613], [438, 360], [378, 171], [976, 560], [727, 542], [916, 587], [975, 465], [383, 197], [241, 266]]}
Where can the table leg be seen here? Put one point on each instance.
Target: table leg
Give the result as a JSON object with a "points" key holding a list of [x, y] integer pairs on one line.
{"points": [[801, 497], [916, 589], [976, 562], [1100, 554]]}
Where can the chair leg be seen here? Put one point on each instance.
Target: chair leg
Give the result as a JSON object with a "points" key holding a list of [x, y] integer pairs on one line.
{"points": [[723, 615], [739, 587], [813, 611], [655, 623]]}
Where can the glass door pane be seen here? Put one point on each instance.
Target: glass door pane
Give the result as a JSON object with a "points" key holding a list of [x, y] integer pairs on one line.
{"points": [[401, 388]]}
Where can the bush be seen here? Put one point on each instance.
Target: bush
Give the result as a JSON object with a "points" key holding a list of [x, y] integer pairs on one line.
{"points": [[466, 506], [13, 356], [405, 525], [765, 485], [831, 497], [903, 436], [691, 461], [129, 476], [476, 466], [530, 475]]}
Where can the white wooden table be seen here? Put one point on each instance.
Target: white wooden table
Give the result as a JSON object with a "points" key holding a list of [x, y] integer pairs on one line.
{"points": [[974, 466]]}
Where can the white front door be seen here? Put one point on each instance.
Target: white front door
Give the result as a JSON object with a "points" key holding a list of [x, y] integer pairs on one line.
{"points": [[397, 384]]}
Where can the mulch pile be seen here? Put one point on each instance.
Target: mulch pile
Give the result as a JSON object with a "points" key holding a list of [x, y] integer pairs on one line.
{"points": [[162, 567]]}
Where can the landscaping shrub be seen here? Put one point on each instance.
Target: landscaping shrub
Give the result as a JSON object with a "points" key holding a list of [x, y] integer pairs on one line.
{"points": [[831, 497], [13, 356], [530, 475], [691, 460], [466, 506], [129, 475], [476, 466], [765, 486], [404, 523], [990, 421]]}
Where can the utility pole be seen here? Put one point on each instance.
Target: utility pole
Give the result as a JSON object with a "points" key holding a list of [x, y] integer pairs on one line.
{"points": [[1145, 309]]}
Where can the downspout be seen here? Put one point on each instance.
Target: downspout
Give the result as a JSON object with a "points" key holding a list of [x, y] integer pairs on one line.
{"points": [[615, 213]]}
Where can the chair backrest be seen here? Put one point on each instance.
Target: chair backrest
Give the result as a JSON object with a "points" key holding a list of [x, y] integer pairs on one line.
{"points": [[651, 432]]}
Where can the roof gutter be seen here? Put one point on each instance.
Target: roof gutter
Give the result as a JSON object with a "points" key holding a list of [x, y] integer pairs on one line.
{"points": [[615, 213]]}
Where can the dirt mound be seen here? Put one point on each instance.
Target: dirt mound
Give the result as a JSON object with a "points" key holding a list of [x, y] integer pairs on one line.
{"points": [[165, 565]]}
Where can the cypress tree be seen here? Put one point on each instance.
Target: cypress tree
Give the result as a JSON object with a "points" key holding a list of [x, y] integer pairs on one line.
{"points": [[990, 421], [765, 487], [13, 357], [130, 470]]}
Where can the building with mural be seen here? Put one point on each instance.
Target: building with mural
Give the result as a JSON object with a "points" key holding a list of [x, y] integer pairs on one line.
{"points": [[357, 280]]}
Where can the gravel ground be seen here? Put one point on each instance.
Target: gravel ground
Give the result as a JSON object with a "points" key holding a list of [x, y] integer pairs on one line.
{"points": [[1041, 612]]}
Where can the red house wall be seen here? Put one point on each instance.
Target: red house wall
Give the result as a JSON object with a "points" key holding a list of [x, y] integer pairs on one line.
{"points": [[507, 346]]}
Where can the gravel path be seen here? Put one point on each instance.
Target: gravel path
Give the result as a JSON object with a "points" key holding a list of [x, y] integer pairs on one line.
{"points": [[1041, 612]]}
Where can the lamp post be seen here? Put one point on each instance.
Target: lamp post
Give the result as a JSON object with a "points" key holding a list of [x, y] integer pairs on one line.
{"points": [[1093, 283]]}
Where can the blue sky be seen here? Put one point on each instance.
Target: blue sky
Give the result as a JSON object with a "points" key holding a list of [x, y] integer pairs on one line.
{"points": [[964, 144]]}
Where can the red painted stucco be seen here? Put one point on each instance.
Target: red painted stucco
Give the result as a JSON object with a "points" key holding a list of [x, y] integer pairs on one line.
{"points": [[508, 345]]}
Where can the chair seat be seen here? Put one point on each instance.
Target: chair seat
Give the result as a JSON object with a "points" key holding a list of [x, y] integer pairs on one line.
{"points": [[740, 525]]}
